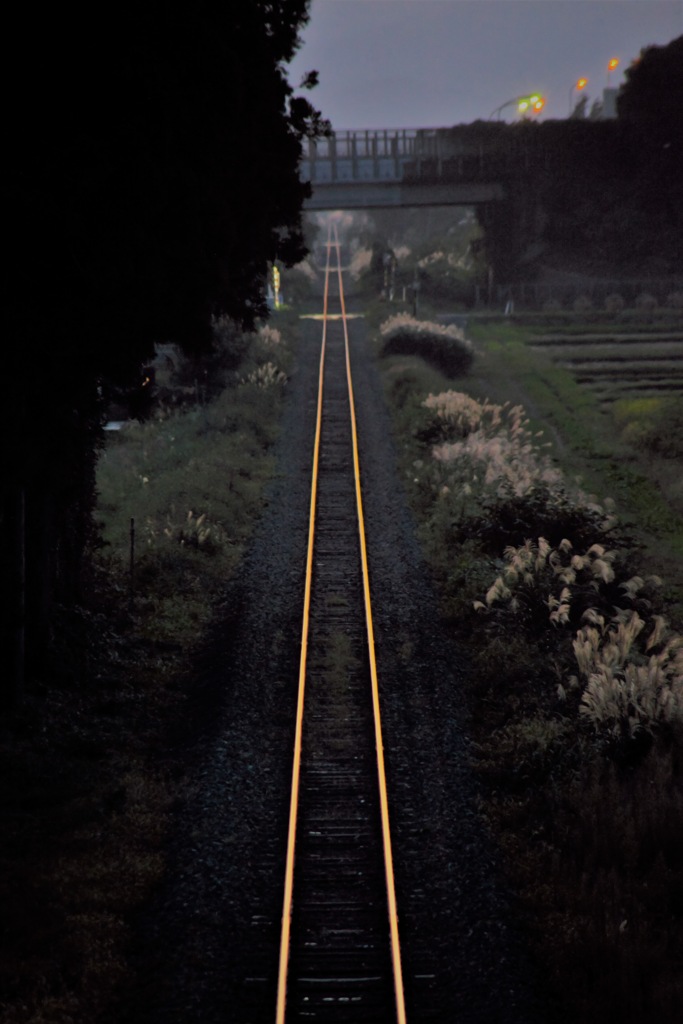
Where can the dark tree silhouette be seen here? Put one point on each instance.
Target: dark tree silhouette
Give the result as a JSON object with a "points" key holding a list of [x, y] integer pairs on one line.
{"points": [[649, 106], [599, 197], [653, 87], [153, 176]]}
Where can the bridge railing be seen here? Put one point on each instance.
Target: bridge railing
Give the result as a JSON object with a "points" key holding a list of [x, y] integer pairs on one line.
{"points": [[359, 155], [398, 154]]}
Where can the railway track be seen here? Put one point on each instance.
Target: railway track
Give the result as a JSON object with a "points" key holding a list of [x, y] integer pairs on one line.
{"points": [[222, 941], [339, 951]]}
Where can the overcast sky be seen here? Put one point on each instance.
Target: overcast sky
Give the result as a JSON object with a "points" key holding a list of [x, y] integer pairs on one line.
{"points": [[435, 63]]}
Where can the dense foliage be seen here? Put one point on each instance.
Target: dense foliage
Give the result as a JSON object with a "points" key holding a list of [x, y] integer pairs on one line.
{"points": [[596, 197], [85, 795], [445, 347], [575, 664], [153, 160], [652, 90]]}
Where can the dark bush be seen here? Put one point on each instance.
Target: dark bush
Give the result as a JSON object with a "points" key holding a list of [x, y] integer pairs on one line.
{"points": [[539, 513], [439, 346]]}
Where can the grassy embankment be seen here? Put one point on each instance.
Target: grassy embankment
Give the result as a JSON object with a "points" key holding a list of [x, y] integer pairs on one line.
{"points": [[577, 723], [88, 786], [591, 443]]}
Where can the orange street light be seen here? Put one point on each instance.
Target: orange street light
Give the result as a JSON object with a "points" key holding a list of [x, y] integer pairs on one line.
{"points": [[579, 84], [533, 103], [614, 63], [530, 104]]}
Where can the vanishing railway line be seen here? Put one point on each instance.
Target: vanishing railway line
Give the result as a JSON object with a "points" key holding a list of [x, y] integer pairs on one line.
{"points": [[339, 952], [268, 916]]}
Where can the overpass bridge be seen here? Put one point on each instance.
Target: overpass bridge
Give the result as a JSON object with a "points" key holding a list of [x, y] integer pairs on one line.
{"points": [[527, 181], [405, 167]]}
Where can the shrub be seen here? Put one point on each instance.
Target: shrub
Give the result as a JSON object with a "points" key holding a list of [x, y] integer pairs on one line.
{"points": [[269, 338], [491, 479], [446, 348], [197, 532], [550, 511], [630, 684], [207, 375], [566, 584], [614, 303], [265, 376], [229, 337], [486, 448], [582, 304], [652, 424], [646, 302], [443, 278], [552, 306]]}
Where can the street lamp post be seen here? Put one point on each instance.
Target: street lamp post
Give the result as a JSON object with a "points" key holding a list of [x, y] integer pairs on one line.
{"points": [[579, 84]]}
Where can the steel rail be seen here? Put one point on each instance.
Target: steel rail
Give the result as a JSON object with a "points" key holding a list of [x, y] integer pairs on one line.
{"points": [[296, 768], [288, 898], [379, 746]]}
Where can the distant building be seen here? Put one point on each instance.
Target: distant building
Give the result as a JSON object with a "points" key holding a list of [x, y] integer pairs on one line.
{"points": [[609, 103]]}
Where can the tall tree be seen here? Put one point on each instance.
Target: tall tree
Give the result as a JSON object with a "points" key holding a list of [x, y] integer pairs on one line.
{"points": [[653, 89], [153, 175], [649, 106]]}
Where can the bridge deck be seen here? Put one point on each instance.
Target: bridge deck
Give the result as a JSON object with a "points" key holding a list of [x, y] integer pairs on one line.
{"points": [[400, 167]]}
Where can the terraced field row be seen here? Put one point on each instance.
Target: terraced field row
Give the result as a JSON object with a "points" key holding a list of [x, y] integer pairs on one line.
{"points": [[622, 366]]}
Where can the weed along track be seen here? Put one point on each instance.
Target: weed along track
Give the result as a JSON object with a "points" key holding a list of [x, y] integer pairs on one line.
{"points": [[339, 955]]}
